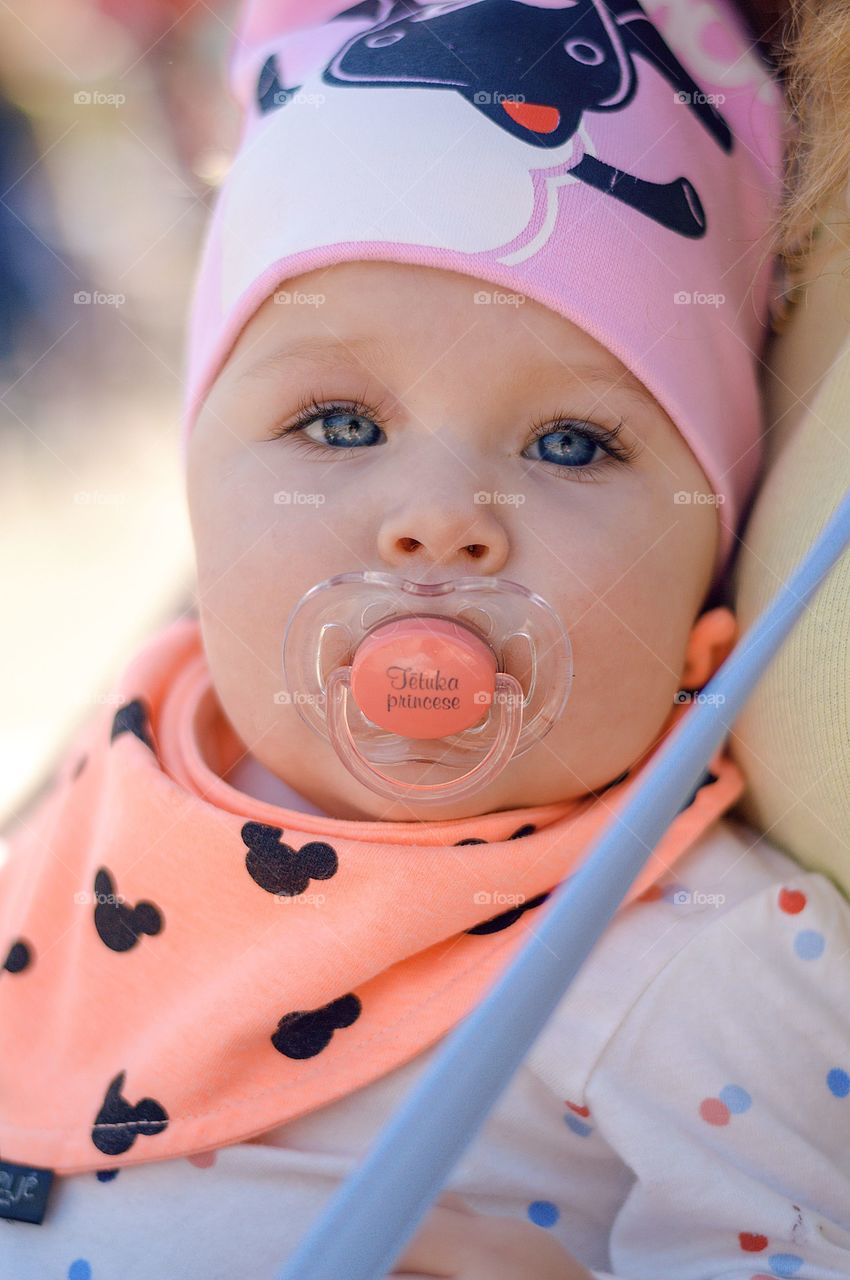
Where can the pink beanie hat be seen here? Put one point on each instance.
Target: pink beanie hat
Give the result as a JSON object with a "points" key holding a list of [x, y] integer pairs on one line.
{"points": [[619, 163]]}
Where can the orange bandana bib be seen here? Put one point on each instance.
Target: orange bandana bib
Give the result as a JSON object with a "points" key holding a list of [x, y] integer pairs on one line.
{"points": [[187, 967]]}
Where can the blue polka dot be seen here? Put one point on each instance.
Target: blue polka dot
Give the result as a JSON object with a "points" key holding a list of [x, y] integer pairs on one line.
{"points": [[838, 1082], [735, 1098], [809, 944], [578, 1126], [79, 1270], [785, 1264], [106, 1175], [544, 1213]]}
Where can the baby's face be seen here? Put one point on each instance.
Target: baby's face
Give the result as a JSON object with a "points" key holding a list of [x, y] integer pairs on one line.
{"points": [[444, 397]]}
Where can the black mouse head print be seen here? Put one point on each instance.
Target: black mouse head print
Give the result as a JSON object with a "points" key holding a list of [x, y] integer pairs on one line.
{"points": [[532, 72], [18, 957], [305, 1033], [119, 1123], [506, 918], [526, 829], [133, 718], [120, 925], [278, 868]]}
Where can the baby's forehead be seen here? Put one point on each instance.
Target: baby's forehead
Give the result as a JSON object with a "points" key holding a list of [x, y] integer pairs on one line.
{"points": [[385, 314]]}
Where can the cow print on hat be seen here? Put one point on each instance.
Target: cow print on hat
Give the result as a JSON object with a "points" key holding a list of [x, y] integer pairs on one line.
{"points": [[304, 1034], [119, 1123], [119, 925], [467, 48], [18, 957], [132, 718], [278, 868]]}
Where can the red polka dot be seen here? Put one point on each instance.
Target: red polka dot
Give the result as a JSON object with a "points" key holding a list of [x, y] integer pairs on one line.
{"points": [[713, 1111], [752, 1243], [202, 1159], [581, 1111], [792, 901]]}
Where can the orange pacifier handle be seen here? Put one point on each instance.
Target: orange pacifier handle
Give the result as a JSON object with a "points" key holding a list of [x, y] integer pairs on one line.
{"points": [[415, 684], [423, 677]]}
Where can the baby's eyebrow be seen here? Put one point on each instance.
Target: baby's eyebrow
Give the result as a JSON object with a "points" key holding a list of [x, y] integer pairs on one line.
{"points": [[331, 351], [320, 350], [596, 378]]}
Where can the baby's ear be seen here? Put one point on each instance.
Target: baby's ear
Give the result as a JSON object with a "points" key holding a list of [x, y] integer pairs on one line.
{"points": [[712, 639]]}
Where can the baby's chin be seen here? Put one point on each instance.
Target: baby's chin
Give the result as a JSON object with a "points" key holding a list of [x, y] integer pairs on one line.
{"points": [[377, 808], [521, 785]]}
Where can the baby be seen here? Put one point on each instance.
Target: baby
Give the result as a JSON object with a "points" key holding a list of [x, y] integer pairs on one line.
{"points": [[440, 401], [483, 296]]}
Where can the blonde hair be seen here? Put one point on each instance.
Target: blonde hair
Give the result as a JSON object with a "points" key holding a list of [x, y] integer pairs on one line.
{"points": [[814, 58]]}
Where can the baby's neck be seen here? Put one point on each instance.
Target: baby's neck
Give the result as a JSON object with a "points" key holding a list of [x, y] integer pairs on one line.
{"points": [[254, 779]]}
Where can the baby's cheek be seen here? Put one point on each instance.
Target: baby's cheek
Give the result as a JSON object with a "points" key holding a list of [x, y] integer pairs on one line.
{"points": [[230, 508], [628, 646], [308, 542]]}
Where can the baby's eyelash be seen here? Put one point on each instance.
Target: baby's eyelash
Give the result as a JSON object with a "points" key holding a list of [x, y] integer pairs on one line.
{"points": [[608, 438], [310, 408]]}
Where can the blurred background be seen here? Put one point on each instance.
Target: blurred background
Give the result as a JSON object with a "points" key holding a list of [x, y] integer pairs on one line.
{"points": [[115, 129]]}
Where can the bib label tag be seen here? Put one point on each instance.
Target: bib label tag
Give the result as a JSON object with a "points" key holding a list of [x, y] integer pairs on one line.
{"points": [[23, 1191]]}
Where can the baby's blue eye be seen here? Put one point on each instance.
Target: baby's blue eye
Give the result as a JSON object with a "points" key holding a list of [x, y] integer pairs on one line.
{"points": [[571, 444], [568, 448], [344, 430]]}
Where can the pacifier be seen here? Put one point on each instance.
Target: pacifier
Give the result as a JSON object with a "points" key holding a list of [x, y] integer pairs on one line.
{"points": [[458, 676]]}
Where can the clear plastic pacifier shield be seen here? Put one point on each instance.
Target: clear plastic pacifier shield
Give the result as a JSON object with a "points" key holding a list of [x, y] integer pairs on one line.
{"points": [[455, 676]]}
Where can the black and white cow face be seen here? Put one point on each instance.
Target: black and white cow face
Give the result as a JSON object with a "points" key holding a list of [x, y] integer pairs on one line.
{"points": [[532, 72]]}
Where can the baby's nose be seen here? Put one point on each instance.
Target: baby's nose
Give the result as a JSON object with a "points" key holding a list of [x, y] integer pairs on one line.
{"points": [[473, 540]]}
